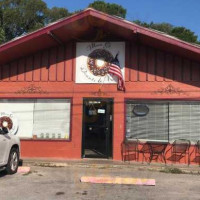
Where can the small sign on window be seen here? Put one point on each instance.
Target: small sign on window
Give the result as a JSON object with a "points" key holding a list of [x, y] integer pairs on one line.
{"points": [[101, 111]]}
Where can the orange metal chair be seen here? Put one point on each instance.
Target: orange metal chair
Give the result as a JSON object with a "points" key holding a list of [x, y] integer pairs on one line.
{"points": [[130, 150], [145, 149], [180, 148], [197, 151], [158, 150]]}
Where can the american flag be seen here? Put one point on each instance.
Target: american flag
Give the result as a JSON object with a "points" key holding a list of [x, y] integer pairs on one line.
{"points": [[116, 71]]}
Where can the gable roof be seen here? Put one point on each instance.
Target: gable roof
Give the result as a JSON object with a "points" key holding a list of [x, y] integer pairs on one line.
{"points": [[76, 25]]}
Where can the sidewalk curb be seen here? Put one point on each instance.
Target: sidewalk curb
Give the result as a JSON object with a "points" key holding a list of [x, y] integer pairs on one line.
{"points": [[107, 164]]}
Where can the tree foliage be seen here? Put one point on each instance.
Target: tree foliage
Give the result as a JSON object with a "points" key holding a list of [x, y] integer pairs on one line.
{"points": [[176, 31], [2, 35], [56, 13], [185, 34], [18, 17], [110, 8], [21, 16]]}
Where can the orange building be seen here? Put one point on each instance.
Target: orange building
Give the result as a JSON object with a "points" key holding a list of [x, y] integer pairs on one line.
{"points": [[67, 103]]}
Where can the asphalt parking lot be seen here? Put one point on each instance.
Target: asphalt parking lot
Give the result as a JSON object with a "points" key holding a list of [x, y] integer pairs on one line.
{"points": [[64, 183]]}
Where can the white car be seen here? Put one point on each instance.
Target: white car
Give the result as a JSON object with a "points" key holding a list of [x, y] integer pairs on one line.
{"points": [[9, 151]]}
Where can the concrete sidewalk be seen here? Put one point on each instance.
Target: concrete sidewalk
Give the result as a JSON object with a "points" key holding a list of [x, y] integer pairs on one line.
{"points": [[105, 163], [61, 180]]}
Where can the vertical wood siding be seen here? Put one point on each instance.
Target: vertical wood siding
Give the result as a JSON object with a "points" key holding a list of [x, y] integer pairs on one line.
{"points": [[143, 64], [149, 65], [52, 65]]}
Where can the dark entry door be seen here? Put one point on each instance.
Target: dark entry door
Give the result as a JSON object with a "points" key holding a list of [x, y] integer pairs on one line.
{"points": [[97, 128]]}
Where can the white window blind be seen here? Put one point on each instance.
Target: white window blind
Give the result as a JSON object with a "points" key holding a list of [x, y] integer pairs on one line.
{"points": [[164, 121], [44, 118], [184, 121], [152, 126], [52, 118]]}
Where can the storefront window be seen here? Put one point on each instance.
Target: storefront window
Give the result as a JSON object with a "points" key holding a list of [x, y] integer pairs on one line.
{"points": [[151, 124], [52, 118], [184, 121], [163, 121], [39, 118]]}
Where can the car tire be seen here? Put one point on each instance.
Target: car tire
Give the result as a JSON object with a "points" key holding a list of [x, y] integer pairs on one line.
{"points": [[13, 161]]}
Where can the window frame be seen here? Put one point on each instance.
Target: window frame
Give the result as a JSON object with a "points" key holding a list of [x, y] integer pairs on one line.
{"points": [[153, 101], [48, 139]]}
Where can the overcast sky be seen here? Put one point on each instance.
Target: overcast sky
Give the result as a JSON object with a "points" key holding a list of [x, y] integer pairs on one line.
{"points": [[177, 12]]}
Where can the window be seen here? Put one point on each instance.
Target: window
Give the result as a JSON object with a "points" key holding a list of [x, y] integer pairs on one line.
{"points": [[152, 126], [163, 121], [23, 112], [52, 118], [184, 121], [40, 118]]}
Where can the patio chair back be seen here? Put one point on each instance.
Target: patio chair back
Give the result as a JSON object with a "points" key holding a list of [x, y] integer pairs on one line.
{"points": [[180, 146], [198, 147], [158, 148], [132, 145], [130, 149]]}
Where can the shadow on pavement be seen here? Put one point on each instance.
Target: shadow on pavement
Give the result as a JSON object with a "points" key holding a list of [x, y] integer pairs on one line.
{"points": [[3, 173], [20, 162]]}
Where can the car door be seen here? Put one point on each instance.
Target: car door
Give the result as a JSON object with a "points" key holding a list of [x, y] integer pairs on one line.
{"points": [[4, 147]]}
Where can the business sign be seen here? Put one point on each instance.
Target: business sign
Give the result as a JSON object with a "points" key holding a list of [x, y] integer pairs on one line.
{"points": [[94, 61]]}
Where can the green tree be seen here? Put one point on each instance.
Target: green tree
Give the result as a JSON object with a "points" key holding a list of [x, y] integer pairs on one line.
{"points": [[2, 36], [56, 13], [18, 17], [176, 31], [2, 33], [110, 8], [164, 27], [184, 34], [21, 16]]}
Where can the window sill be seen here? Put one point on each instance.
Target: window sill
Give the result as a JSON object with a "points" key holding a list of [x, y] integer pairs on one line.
{"points": [[45, 140], [148, 141]]}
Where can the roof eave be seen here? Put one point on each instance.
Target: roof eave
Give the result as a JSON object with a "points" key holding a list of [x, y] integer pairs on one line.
{"points": [[136, 29]]}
